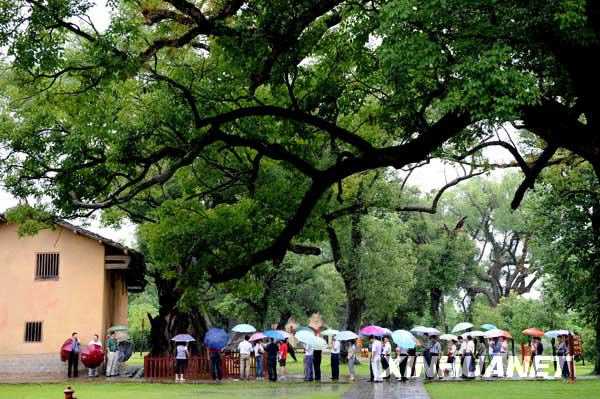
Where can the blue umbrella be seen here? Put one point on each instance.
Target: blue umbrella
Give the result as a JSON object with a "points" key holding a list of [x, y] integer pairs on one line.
{"points": [[488, 327], [276, 335], [183, 338], [216, 338], [404, 339]]}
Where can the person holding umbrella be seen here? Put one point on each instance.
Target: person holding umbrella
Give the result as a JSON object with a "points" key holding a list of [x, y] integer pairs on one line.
{"points": [[283, 353], [245, 348], [376, 350], [352, 359], [308, 362], [93, 372], [112, 357], [259, 349], [73, 362], [481, 352], [335, 359], [181, 358], [215, 340], [272, 350]]}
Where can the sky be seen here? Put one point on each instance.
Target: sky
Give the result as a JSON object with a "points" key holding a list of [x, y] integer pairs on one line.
{"points": [[427, 178]]}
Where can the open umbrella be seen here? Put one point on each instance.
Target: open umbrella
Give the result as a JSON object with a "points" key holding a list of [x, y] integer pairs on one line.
{"points": [[433, 331], [372, 330], [475, 333], [216, 338], [462, 327], [556, 333], [345, 336], [404, 339], [257, 336], [92, 356], [244, 329], [285, 334], [304, 335], [183, 338], [496, 333], [317, 343], [274, 334], [488, 327], [330, 332], [118, 328], [448, 337], [533, 332], [387, 332]]}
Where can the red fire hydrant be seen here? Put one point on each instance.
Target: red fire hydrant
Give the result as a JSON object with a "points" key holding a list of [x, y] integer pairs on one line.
{"points": [[69, 393]]}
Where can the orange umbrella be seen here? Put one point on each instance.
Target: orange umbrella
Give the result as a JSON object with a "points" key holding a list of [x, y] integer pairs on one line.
{"points": [[533, 332]]}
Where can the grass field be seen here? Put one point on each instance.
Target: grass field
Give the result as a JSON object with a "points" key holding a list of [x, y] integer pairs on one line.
{"points": [[228, 390], [588, 389]]}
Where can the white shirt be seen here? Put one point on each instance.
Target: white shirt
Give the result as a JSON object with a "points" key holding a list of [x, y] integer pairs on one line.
{"points": [[245, 347], [258, 349], [376, 349], [470, 347], [308, 350], [94, 342], [463, 347], [335, 348], [387, 349]]}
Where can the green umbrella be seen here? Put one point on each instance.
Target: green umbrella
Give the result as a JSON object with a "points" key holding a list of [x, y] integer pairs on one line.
{"points": [[118, 328]]}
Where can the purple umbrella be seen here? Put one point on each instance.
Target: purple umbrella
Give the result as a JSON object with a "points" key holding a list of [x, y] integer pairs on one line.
{"points": [[373, 330], [216, 338]]}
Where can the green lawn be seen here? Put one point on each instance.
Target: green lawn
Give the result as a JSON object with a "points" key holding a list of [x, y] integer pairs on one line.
{"points": [[588, 389], [228, 390]]}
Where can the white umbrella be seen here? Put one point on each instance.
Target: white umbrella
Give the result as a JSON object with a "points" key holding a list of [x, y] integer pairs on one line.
{"points": [[346, 336], [433, 331], [419, 330], [462, 327], [244, 329], [448, 337], [329, 332], [475, 333], [556, 333], [387, 331]]}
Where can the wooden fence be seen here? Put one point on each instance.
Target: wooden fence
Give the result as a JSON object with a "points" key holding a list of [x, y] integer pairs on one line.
{"points": [[199, 367]]}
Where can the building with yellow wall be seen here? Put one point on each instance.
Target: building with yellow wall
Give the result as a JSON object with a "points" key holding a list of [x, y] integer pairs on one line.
{"points": [[56, 282]]}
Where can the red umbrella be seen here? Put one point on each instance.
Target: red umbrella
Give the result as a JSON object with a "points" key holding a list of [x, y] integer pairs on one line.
{"points": [[92, 356], [66, 349], [533, 332]]}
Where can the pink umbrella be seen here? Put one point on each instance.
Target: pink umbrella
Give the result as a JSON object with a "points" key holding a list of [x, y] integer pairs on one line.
{"points": [[372, 330], [257, 336]]}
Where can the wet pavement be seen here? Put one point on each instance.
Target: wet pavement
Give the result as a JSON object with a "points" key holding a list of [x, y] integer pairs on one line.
{"points": [[412, 389]]}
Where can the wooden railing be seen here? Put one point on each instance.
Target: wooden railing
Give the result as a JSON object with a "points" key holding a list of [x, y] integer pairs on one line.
{"points": [[198, 368]]}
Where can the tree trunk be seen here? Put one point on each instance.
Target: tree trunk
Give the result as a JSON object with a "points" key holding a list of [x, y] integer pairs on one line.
{"points": [[596, 280], [170, 321], [435, 298]]}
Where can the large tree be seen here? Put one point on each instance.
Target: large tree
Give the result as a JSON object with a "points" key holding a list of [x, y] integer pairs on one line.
{"points": [[322, 89], [566, 218]]}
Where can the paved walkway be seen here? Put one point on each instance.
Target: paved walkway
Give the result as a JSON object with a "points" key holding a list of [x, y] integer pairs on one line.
{"points": [[412, 389]]}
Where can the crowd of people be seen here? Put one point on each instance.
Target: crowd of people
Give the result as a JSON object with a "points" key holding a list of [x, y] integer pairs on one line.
{"points": [[112, 355]]}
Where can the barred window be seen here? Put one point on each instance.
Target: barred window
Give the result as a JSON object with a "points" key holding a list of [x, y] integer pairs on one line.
{"points": [[46, 267], [33, 331]]}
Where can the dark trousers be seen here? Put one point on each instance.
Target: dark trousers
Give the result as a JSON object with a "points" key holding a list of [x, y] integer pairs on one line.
{"points": [[317, 365], [335, 366], [272, 368], [402, 365], [215, 366], [73, 368]]}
